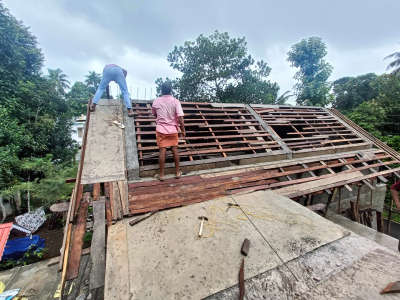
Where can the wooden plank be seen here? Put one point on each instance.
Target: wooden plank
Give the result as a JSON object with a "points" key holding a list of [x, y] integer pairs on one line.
{"points": [[123, 189], [343, 182], [379, 221], [350, 166], [215, 160], [111, 197], [77, 239], [316, 183], [267, 128], [333, 172], [108, 213], [96, 191], [97, 254], [117, 201], [117, 275]]}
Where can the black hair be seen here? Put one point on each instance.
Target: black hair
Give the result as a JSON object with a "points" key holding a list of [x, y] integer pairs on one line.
{"points": [[166, 88]]}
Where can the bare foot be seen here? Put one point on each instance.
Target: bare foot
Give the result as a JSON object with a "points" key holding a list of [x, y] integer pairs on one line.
{"points": [[92, 107], [159, 177], [178, 174], [130, 112]]}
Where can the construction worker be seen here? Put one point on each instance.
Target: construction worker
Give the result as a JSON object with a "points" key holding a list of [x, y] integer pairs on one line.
{"points": [[169, 118], [113, 73], [394, 190]]}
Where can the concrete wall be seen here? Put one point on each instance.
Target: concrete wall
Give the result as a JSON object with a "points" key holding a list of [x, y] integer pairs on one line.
{"points": [[367, 197]]}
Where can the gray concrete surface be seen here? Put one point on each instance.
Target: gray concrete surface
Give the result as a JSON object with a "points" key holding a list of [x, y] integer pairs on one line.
{"points": [[36, 281], [368, 198], [132, 160], [364, 231], [167, 260], [349, 268], [105, 151]]}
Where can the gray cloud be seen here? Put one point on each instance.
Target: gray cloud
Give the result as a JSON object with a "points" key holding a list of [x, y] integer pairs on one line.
{"points": [[78, 36]]}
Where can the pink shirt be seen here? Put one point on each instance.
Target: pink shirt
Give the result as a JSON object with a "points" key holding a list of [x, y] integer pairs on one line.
{"points": [[167, 109]]}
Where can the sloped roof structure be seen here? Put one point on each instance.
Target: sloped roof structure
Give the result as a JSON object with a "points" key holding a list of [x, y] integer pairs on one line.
{"points": [[230, 149]]}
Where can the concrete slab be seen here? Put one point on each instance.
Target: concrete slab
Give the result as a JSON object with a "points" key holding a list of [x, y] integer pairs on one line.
{"points": [[165, 252], [362, 230], [167, 260], [290, 228], [105, 152], [36, 281], [316, 269], [369, 275]]}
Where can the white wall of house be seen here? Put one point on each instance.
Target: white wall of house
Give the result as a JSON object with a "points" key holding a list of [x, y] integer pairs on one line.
{"points": [[78, 128]]}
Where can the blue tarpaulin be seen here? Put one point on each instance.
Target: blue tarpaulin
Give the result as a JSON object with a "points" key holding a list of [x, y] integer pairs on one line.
{"points": [[16, 248]]}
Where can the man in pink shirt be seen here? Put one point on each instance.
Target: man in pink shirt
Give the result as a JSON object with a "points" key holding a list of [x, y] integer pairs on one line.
{"points": [[169, 117]]}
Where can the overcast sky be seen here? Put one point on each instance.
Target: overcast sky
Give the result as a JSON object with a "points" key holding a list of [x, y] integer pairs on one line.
{"points": [[82, 35]]}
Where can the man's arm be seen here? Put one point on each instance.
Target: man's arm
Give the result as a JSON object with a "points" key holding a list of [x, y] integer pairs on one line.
{"points": [[395, 196], [182, 126]]}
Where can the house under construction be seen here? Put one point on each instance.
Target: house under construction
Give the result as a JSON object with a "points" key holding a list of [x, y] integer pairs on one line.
{"points": [[305, 185]]}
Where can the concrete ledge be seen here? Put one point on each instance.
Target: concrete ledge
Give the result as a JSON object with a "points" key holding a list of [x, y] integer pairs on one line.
{"points": [[364, 231]]}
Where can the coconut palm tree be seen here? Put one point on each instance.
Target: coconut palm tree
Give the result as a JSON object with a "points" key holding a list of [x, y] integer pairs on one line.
{"points": [[92, 81], [283, 98], [395, 64], [59, 79]]}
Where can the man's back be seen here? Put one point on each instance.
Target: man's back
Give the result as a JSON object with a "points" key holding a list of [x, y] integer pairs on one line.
{"points": [[167, 109]]}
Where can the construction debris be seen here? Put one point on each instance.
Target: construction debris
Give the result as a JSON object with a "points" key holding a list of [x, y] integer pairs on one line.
{"points": [[202, 219], [393, 287]]}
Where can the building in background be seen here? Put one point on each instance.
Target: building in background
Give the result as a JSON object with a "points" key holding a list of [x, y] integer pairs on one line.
{"points": [[78, 129]]}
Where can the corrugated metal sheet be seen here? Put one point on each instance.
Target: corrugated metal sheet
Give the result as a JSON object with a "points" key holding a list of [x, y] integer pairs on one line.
{"points": [[4, 233]]}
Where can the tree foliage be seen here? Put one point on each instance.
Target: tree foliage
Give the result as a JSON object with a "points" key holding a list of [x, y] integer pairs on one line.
{"points": [[92, 81], [59, 80], [78, 98], [218, 68], [395, 64], [312, 86], [381, 115], [35, 118], [349, 92]]}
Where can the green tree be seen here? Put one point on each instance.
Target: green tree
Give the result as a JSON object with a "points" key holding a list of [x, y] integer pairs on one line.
{"points": [[349, 92], [388, 90], [34, 117], [92, 81], [312, 87], [218, 68], [370, 115], [395, 64], [283, 98], [78, 98], [59, 80]]}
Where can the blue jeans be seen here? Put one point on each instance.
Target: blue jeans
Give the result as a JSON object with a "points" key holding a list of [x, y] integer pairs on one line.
{"points": [[113, 73]]}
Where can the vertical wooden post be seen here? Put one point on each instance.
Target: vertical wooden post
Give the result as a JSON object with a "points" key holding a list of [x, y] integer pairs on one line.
{"points": [[389, 216], [379, 221], [357, 207], [340, 198]]}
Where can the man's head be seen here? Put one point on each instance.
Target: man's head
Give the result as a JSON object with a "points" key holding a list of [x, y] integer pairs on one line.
{"points": [[166, 88]]}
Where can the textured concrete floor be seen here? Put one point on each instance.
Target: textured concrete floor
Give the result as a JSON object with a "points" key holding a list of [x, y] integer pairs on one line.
{"points": [[167, 260]]}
